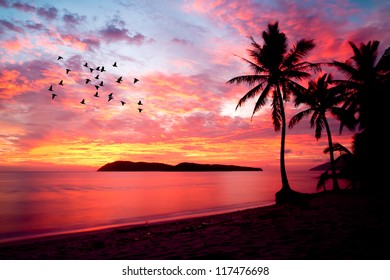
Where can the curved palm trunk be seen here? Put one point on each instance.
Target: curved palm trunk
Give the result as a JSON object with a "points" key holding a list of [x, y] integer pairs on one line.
{"points": [[336, 186], [285, 183]]}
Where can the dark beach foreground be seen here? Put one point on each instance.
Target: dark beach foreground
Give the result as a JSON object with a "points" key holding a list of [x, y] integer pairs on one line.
{"points": [[326, 226]]}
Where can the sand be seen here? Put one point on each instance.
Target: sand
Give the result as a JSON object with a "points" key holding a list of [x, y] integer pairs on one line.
{"points": [[345, 226]]}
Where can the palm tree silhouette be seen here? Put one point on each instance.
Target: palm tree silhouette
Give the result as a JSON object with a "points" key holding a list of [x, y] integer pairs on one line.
{"points": [[320, 99], [275, 69], [364, 77], [368, 86]]}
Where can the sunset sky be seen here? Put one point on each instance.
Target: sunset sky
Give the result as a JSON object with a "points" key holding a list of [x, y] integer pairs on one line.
{"points": [[183, 53]]}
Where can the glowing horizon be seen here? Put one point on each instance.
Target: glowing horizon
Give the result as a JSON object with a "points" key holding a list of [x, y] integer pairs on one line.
{"points": [[182, 52]]}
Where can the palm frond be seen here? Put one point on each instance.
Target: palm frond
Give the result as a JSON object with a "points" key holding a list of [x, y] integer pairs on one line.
{"points": [[298, 117], [250, 94], [345, 68], [248, 79], [298, 51], [319, 126], [261, 100], [255, 67]]}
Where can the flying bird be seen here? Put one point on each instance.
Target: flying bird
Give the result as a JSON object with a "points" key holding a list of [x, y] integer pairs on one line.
{"points": [[53, 95], [83, 102], [96, 94], [114, 65], [140, 103], [110, 97], [61, 82], [97, 76], [123, 103], [60, 57], [91, 69], [119, 80], [86, 64], [101, 83], [98, 68], [87, 81], [140, 110], [97, 87], [102, 69], [135, 80], [67, 71], [51, 88]]}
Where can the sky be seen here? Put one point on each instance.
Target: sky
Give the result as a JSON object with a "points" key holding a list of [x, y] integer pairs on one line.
{"points": [[183, 53]]}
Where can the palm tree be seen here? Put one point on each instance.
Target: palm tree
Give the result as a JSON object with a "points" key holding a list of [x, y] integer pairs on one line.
{"points": [[364, 80], [320, 99], [368, 84], [274, 71], [347, 162]]}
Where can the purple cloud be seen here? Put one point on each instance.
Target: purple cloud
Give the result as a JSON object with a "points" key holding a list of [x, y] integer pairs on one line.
{"points": [[10, 26], [73, 18], [47, 13], [113, 33], [23, 7], [34, 26]]}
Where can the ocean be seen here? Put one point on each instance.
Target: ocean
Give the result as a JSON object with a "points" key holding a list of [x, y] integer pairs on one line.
{"points": [[47, 203]]}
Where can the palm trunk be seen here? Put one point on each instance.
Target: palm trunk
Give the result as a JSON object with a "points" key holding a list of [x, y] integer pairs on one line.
{"points": [[336, 186], [285, 183]]}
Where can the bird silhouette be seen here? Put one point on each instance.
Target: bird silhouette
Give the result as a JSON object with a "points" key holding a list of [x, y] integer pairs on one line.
{"points": [[98, 68], [114, 65], [101, 83], [135, 80], [87, 81], [97, 87], [96, 94], [119, 80], [53, 95], [140, 110], [110, 97], [51, 88], [67, 71], [123, 103], [83, 102], [102, 69], [91, 69], [61, 82], [60, 57], [140, 103], [86, 64], [97, 77]]}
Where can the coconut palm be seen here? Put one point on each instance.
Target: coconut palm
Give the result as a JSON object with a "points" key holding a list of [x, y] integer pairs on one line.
{"points": [[275, 72], [365, 77], [320, 98], [368, 85]]}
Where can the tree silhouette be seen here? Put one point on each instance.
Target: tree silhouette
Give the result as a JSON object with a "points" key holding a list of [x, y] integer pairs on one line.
{"points": [[275, 70], [319, 99], [368, 87]]}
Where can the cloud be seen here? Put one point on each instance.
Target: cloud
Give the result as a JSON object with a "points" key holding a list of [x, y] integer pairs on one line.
{"points": [[24, 7], [73, 18], [47, 13], [113, 34], [10, 26]]}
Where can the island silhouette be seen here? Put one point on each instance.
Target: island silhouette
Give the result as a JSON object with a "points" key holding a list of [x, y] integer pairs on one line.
{"points": [[181, 167]]}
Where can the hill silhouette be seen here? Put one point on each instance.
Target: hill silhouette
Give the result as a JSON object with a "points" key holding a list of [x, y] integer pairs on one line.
{"points": [[181, 167]]}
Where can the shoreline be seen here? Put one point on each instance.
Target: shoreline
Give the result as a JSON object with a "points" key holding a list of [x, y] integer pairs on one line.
{"points": [[140, 223], [327, 226]]}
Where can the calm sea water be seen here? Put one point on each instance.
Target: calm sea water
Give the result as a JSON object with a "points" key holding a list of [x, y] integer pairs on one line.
{"points": [[45, 203]]}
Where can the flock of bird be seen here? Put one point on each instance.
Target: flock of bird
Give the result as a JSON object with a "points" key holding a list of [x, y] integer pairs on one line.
{"points": [[99, 83]]}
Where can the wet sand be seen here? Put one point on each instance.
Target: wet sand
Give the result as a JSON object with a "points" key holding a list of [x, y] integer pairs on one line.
{"points": [[326, 226]]}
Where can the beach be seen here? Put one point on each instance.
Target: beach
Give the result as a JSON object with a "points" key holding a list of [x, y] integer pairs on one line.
{"points": [[326, 226]]}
